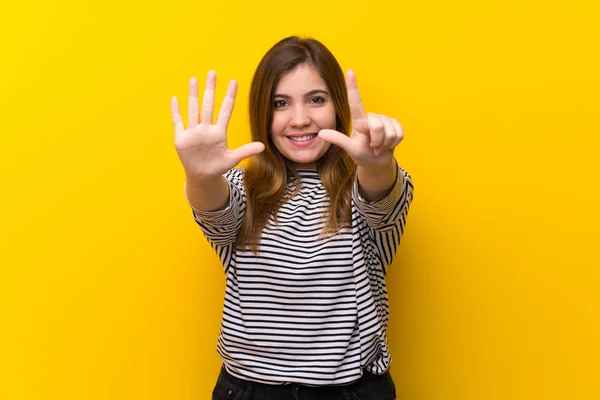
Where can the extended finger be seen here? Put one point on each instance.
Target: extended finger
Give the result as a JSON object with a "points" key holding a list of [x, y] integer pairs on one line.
{"points": [[193, 103], [247, 150], [227, 105], [356, 106], [338, 139], [177, 121], [376, 130], [208, 100]]}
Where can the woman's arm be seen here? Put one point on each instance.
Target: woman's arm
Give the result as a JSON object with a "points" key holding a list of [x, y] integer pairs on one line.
{"points": [[208, 194], [375, 183], [202, 148]]}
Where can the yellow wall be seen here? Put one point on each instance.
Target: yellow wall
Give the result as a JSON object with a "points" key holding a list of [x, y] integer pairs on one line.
{"points": [[108, 289]]}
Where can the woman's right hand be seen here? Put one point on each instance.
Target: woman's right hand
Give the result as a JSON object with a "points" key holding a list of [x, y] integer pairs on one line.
{"points": [[202, 148]]}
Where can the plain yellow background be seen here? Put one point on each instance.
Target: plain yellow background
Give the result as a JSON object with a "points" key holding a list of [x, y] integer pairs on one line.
{"points": [[108, 290]]}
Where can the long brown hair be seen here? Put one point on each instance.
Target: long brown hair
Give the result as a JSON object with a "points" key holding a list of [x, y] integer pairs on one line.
{"points": [[266, 176]]}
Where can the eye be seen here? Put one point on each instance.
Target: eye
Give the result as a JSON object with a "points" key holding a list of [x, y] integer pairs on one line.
{"points": [[317, 100], [279, 103]]}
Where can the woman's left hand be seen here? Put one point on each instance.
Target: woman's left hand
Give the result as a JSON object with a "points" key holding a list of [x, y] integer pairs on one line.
{"points": [[373, 137]]}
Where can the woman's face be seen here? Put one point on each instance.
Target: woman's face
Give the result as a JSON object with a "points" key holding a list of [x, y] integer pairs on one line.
{"points": [[302, 106]]}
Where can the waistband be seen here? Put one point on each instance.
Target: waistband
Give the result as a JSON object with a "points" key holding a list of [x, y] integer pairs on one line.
{"points": [[367, 379]]}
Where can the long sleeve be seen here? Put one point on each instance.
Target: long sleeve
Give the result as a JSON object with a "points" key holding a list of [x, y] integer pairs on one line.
{"points": [[220, 227], [386, 218]]}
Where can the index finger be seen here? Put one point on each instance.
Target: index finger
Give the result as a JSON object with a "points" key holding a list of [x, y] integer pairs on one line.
{"points": [[227, 105], [356, 106]]}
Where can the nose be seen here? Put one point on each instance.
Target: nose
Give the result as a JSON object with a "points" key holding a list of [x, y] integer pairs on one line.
{"points": [[299, 116]]}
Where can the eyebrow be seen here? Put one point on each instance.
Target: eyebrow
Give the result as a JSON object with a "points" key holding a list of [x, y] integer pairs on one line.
{"points": [[312, 92]]}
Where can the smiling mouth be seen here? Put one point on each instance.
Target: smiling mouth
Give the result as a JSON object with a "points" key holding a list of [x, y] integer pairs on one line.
{"points": [[304, 138]]}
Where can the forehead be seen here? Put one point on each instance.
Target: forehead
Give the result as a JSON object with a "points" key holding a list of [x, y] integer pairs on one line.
{"points": [[300, 80]]}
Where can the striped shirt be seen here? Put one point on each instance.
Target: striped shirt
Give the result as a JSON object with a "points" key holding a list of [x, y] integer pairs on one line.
{"points": [[307, 309]]}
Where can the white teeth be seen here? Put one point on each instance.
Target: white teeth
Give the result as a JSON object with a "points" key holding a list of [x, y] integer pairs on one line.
{"points": [[302, 138]]}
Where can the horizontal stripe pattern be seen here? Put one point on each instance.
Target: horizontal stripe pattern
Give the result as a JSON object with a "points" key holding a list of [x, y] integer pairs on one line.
{"points": [[307, 309]]}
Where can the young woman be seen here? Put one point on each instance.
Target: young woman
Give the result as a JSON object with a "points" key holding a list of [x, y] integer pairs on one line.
{"points": [[305, 232]]}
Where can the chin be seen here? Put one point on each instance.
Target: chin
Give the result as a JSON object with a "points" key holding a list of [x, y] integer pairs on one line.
{"points": [[305, 160], [305, 157]]}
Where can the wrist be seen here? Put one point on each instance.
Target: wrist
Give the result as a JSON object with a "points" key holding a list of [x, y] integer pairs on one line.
{"points": [[376, 182], [378, 169], [195, 181]]}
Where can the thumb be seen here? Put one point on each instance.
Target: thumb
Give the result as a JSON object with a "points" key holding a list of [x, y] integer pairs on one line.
{"points": [[247, 150], [337, 138]]}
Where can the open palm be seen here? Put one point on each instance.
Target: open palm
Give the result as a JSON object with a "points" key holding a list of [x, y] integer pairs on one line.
{"points": [[202, 148]]}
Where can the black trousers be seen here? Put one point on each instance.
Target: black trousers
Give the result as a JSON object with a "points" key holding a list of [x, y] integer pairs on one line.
{"points": [[369, 387]]}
